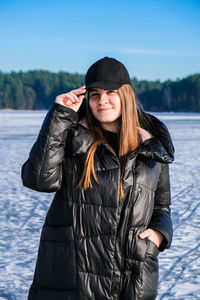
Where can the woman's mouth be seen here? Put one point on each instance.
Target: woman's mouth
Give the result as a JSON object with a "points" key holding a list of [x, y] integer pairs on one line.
{"points": [[104, 109]]}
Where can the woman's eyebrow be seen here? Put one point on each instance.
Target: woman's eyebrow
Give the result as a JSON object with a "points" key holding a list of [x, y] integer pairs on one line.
{"points": [[93, 90]]}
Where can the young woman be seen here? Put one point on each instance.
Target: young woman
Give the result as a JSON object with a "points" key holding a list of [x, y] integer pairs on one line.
{"points": [[110, 216]]}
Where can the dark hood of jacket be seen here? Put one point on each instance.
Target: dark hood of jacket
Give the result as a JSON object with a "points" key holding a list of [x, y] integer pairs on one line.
{"points": [[159, 147]]}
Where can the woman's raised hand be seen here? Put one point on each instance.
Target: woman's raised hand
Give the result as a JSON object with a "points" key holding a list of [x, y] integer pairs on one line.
{"points": [[72, 99]]}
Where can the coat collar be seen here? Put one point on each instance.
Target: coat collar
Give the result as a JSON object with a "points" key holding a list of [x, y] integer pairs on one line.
{"points": [[153, 148], [158, 146]]}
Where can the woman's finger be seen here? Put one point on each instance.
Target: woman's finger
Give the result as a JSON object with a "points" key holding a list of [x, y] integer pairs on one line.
{"points": [[81, 97], [79, 91], [68, 99], [145, 233], [73, 97], [153, 235]]}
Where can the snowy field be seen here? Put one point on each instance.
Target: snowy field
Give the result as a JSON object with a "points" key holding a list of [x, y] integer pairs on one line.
{"points": [[23, 211]]}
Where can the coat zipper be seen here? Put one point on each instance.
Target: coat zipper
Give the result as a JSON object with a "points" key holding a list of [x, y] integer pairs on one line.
{"points": [[122, 268], [126, 222]]}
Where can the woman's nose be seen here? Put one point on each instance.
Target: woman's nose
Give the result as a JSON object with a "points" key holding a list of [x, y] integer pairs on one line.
{"points": [[103, 99]]}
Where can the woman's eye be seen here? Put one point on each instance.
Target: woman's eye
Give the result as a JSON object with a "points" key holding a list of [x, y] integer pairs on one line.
{"points": [[94, 95], [111, 92]]}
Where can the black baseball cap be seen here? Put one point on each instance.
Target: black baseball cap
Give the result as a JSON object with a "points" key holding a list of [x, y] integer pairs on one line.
{"points": [[108, 74]]}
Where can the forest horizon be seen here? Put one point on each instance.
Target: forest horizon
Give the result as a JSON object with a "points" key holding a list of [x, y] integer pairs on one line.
{"points": [[37, 89]]}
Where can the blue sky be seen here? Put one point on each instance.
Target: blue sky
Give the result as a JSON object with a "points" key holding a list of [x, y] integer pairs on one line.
{"points": [[155, 39]]}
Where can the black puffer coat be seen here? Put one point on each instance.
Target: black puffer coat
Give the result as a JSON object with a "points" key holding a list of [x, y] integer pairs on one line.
{"points": [[89, 248]]}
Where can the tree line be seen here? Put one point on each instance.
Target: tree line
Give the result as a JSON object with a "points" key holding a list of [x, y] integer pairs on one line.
{"points": [[38, 89]]}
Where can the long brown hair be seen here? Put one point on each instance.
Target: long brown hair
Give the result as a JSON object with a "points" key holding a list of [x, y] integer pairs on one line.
{"points": [[128, 135]]}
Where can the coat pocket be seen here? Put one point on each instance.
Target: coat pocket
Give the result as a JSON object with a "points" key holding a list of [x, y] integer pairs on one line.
{"points": [[56, 262], [150, 272]]}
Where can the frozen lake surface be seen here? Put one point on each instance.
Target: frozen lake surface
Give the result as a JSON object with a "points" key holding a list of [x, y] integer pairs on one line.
{"points": [[23, 211]]}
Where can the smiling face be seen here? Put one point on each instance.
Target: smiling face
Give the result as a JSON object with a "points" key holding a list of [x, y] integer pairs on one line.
{"points": [[106, 108]]}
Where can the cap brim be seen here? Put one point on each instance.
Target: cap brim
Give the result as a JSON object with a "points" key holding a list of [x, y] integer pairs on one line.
{"points": [[106, 85]]}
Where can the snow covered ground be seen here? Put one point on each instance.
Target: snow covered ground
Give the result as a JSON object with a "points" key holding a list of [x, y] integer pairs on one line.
{"points": [[22, 211]]}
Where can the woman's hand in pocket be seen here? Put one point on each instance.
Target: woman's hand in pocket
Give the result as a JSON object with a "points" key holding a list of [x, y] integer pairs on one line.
{"points": [[153, 235]]}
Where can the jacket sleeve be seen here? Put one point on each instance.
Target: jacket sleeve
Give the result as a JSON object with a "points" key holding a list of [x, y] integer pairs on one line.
{"points": [[161, 219], [43, 169]]}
